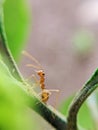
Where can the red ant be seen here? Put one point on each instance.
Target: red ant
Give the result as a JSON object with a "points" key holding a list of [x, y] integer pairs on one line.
{"points": [[45, 92]]}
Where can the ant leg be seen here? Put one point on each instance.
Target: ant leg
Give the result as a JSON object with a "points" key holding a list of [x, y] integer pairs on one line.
{"points": [[53, 90], [57, 96], [40, 94], [33, 77], [57, 99], [30, 77]]}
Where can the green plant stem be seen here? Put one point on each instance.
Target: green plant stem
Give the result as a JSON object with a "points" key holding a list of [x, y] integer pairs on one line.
{"points": [[81, 96], [48, 113]]}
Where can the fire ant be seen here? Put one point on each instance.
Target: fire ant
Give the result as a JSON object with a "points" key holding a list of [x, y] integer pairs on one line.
{"points": [[45, 92]]}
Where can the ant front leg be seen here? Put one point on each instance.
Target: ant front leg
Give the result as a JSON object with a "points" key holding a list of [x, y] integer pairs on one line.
{"points": [[30, 77], [34, 78]]}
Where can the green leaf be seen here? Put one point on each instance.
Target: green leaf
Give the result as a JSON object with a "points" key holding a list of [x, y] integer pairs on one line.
{"points": [[17, 22], [84, 116], [13, 115]]}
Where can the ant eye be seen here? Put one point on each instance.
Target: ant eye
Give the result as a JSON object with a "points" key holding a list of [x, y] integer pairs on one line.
{"points": [[43, 74]]}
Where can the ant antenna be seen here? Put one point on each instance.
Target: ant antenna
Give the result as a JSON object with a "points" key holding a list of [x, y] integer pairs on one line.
{"points": [[33, 59]]}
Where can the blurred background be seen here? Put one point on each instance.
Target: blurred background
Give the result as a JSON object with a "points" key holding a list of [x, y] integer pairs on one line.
{"points": [[63, 39]]}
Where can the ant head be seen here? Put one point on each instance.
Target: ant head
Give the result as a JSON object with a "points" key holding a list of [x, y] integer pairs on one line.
{"points": [[41, 73]]}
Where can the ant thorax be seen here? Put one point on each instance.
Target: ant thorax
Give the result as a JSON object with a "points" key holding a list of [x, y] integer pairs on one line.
{"points": [[41, 74]]}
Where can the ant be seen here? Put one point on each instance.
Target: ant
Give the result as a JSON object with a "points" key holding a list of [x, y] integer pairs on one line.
{"points": [[45, 92]]}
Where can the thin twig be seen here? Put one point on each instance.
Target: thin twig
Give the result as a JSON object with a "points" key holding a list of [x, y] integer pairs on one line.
{"points": [[81, 96]]}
